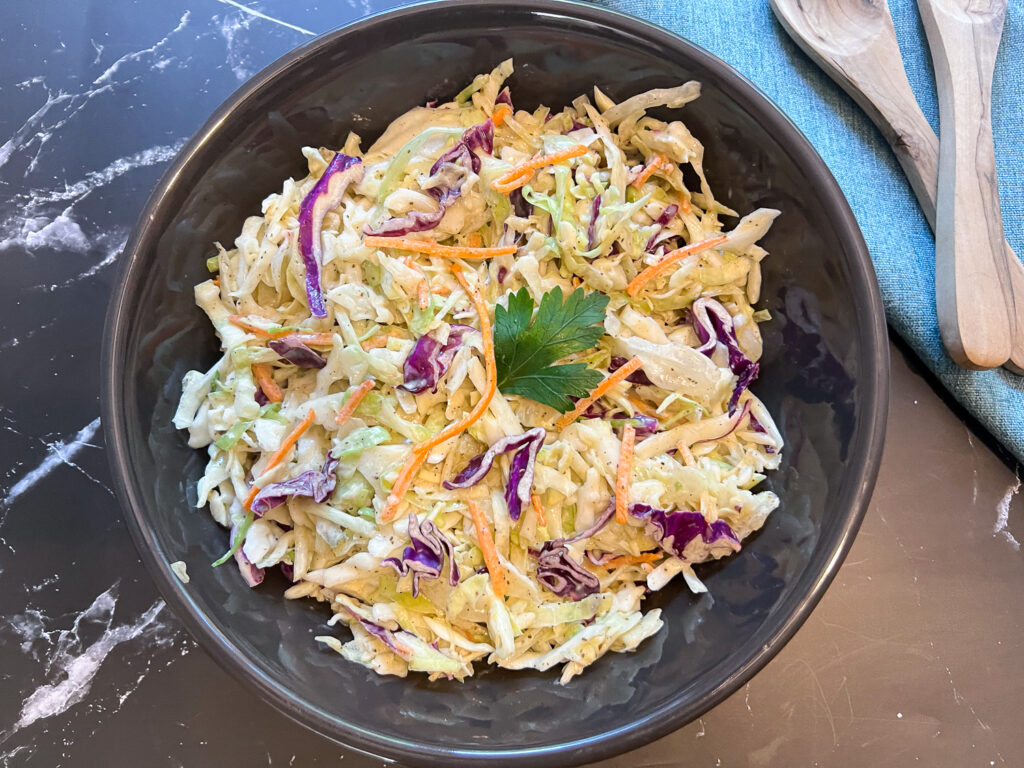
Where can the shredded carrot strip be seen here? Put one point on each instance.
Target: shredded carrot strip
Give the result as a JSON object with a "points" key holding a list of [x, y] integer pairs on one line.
{"points": [[421, 450], [656, 162], [686, 453], [489, 364], [625, 472], [350, 405], [216, 281], [402, 483], [380, 339], [643, 407], [316, 339], [442, 290], [684, 202], [282, 452], [262, 373], [619, 375], [652, 272], [245, 325], [518, 176], [475, 240], [431, 248], [535, 500], [499, 114], [486, 541], [621, 560]]}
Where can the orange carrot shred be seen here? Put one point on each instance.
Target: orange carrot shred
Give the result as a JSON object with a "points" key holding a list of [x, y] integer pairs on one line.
{"points": [[656, 162], [684, 202], [671, 258], [642, 407], [381, 339], [568, 418], [316, 339], [621, 560], [686, 453], [486, 541], [262, 373], [282, 452], [501, 111], [421, 450], [245, 325], [624, 474], [432, 248], [350, 405], [402, 483], [475, 240], [535, 500], [518, 176], [490, 366]]}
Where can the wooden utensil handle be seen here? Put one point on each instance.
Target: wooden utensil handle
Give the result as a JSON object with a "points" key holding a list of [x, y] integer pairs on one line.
{"points": [[972, 281]]}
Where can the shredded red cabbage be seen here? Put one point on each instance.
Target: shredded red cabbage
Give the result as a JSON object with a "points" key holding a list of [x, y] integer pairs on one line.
{"points": [[260, 397], [425, 557], [383, 634], [520, 205], [317, 484], [325, 196], [447, 176], [714, 325], [595, 210], [661, 222], [430, 360], [297, 353], [557, 571], [520, 476], [253, 576], [504, 97], [674, 530]]}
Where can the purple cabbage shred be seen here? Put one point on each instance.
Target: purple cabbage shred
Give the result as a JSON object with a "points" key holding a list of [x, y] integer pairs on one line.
{"points": [[425, 557], [297, 353], [430, 359], [520, 477], [675, 530], [714, 325], [325, 196], [557, 570], [317, 484]]}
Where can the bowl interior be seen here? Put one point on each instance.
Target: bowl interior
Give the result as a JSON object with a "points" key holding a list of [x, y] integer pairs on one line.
{"points": [[820, 377]]}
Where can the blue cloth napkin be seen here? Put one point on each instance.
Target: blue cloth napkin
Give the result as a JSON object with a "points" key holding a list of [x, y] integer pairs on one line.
{"points": [[746, 35]]}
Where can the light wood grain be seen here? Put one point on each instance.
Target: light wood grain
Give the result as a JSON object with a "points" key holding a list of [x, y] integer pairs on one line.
{"points": [[972, 283], [854, 42]]}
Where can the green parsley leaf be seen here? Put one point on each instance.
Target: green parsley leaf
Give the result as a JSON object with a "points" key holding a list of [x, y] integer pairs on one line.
{"points": [[527, 345]]}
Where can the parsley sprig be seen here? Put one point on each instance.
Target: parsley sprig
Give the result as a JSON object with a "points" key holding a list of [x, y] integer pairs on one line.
{"points": [[526, 345]]}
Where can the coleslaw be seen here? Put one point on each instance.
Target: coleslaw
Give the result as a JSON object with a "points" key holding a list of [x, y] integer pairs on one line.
{"points": [[486, 384]]}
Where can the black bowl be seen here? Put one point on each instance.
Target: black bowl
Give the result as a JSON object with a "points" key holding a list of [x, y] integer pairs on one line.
{"points": [[824, 376]]}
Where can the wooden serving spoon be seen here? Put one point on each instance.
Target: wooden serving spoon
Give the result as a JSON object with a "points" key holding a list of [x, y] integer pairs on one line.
{"points": [[854, 41]]}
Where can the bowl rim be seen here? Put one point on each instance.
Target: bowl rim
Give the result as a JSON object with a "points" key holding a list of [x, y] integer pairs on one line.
{"points": [[865, 451]]}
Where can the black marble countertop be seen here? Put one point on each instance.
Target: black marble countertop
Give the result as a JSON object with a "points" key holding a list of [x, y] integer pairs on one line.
{"points": [[912, 657]]}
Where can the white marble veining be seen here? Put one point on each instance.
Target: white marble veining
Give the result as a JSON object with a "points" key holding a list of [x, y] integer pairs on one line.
{"points": [[68, 658], [260, 15], [58, 452], [107, 75]]}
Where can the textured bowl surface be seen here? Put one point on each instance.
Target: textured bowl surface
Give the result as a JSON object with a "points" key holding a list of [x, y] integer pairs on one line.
{"points": [[824, 376]]}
